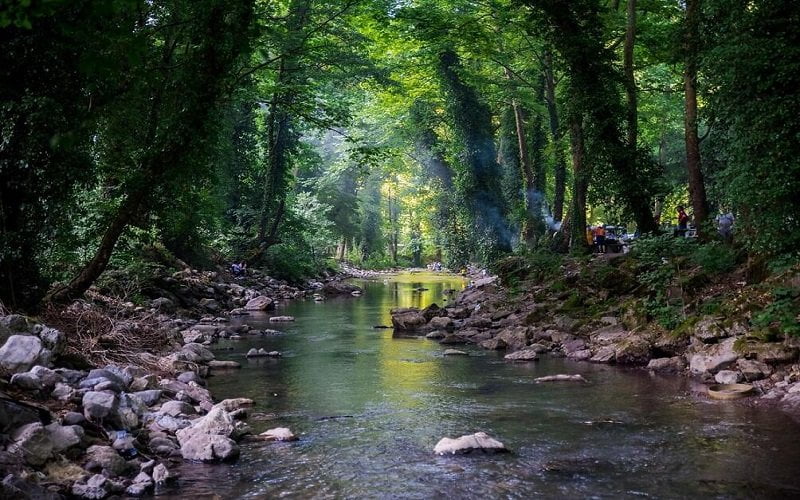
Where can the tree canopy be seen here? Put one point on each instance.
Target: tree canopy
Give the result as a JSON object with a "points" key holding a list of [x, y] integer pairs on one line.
{"points": [[287, 133]]}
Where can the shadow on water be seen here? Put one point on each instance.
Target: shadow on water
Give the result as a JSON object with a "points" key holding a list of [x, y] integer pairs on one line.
{"points": [[369, 408]]}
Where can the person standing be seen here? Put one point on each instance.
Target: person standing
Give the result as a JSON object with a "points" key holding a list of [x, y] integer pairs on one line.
{"points": [[600, 238], [683, 221]]}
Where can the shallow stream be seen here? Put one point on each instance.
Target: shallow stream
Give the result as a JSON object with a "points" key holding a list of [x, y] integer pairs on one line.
{"points": [[369, 408]]}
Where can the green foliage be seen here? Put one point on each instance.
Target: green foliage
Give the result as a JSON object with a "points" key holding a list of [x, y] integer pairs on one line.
{"points": [[782, 314]]}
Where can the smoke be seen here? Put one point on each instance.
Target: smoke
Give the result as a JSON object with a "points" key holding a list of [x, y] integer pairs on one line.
{"points": [[537, 203]]}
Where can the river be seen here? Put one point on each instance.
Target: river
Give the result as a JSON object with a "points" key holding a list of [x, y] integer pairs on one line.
{"points": [[369, 408]]}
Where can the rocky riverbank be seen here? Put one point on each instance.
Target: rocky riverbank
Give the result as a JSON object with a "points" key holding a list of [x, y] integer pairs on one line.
{"points": [[580, 319], [104, 397]]}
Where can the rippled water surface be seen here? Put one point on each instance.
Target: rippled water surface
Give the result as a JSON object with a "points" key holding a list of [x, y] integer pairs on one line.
{"points": [[369, 407]]}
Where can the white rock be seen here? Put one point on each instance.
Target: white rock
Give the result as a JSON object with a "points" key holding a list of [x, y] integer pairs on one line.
{"points": [[278, 434], [281, 319], [21, 352], [33, 443], [454, 352], [260, 303], [728, 377], [466, 444]]}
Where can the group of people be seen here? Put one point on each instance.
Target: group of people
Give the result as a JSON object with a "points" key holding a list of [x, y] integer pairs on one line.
{"points": [[724, 222], [435, 266], [239, 268], [596, 238]]}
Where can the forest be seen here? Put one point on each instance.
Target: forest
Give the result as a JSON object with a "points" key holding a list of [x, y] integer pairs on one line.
{"points": [[211, 212], [287, 134]]}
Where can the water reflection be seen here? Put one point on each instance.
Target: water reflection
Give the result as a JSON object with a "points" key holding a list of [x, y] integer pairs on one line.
{"points": [[370, 407]]}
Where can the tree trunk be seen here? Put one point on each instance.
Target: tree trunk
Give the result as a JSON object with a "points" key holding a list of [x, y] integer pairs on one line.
{"points": [[697, 189], [529, 227], [560, 171], [582, 173], [630, 80]]}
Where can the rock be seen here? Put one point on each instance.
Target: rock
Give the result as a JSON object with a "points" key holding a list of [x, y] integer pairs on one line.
{"points": [[53, 339], [187, 377], [193, 335], [515, 337], [196, 353], [451, 339], [581, 355], [281, 319], [63, 437], [495, 344], [523, 355], [727, 377], [13, 323], [161, 474], [561, 378], [573, 346], [27, 381], [137, 490], [234, 404], [469, 443], [70, 376], [210, 305], [33, 443], [21, 352], [454, 352], [163, 304], [436, 335], [148, 397], [339, 287], [407, 319], [99, 405], [709, 331], [217, 422], [260, 303], [93, 489], [753, 370], [604, 355], [209, 448], [278, 434], [162, 446], [713, 358], [224, 365], [72, 418], [239, 311], [633, 350], [769, 352], [175, 408], [441, 323], [609, 335], [48, 377], [108, 459], [672, 364], [99, 375]]}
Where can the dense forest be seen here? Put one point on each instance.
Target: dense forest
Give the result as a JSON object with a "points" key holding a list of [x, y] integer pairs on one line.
{"points": [[386, 133]]}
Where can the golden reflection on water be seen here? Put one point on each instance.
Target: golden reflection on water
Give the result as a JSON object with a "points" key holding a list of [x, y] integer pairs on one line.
{"points": [[403, 369]]}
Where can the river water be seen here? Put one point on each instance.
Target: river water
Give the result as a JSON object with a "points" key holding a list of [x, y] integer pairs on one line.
{"points": [[369, 408]]}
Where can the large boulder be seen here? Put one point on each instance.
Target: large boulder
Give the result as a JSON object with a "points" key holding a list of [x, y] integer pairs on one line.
{"points": [[53, 340], [479, 441], [163, 304], [672, 364], [753, 370], [713, 358], [21, 352], [209, 448], [12, 324], [709, 330], [634, 350], [514, 337], [33, 443], [769, 352], [217, 421], [260, 303], [407, 319]]}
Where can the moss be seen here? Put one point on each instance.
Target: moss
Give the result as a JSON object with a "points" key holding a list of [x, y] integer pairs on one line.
{"points": [[686, 328]]}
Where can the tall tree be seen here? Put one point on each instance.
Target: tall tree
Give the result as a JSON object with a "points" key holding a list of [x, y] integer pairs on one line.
{"points": [[697, 187]]}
